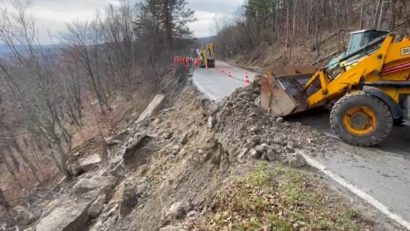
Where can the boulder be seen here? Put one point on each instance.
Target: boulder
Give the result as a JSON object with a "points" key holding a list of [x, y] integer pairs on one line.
{"points": [[85, 164], [118, 170], [103, 184], [68, 216], [152, 108], [50, 207], [106, 221], [97, 206], [22, 216]]}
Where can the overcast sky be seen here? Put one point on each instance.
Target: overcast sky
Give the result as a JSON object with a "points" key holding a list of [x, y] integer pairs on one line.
{"points": [[52, 15]]}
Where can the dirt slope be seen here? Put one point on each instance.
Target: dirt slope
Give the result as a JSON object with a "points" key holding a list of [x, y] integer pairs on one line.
{"points": [[202, 150]]}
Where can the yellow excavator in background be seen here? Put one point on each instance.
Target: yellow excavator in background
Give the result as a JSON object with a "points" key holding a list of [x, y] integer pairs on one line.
{"points": [[368, 88], [207, 56]]}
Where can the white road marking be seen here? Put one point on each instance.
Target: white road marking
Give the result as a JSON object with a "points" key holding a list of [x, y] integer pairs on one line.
{"points": [[366, 197]]}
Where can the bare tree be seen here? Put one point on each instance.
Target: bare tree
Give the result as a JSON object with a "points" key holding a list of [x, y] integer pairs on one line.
{"points": [[30, 77], [84, 41]]}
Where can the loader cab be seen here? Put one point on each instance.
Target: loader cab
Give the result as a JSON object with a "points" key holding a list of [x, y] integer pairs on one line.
{"points": [[361, 43], [362, 38]]}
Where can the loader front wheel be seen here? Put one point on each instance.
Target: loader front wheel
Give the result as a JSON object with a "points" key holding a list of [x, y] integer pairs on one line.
{"points": [[360, 119]]}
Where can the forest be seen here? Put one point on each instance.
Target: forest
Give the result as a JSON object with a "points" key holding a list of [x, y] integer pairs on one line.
{"points": [[293, 22], [44, 90]]}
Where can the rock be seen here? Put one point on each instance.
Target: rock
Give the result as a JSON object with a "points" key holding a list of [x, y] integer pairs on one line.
{"points": [[297, 160], [132, 191], [212, 109], [193, 214], [89, 162], [22, 216], [255, 154], [289, 149], [178, 210], [50, 207], [167, 135], [136, 142], [85, 164], [103, 184], [244, 94], [271, 155], [152, 108], [257, 101], [106, 220], [156, 122], [68, 216], [184, 139], [279, 140], [256, 139], [261, 148], [175, 149], [118, 170], [211, 122], [97, 206], [291, 145], [279, 120]]}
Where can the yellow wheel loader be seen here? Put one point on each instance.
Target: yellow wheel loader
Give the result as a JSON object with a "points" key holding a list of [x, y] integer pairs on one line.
{"points": [[368, 88], [207, 55]]}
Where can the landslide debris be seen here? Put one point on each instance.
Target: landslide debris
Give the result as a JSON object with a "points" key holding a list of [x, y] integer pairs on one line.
{"points": [[246, 131], [171, 166]]}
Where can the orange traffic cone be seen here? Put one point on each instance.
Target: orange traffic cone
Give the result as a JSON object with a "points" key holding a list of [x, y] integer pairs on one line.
{"points": [[247, 81]]}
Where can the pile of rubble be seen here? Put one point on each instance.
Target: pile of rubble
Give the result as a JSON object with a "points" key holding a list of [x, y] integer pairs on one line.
{"points": [[246, 131]]}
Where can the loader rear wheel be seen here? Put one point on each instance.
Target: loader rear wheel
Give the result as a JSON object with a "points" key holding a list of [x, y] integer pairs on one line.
{"points": [[360, 119]]}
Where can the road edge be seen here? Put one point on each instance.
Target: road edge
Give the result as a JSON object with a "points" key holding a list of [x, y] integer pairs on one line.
{"points": [[356, 191], [201, 89]]}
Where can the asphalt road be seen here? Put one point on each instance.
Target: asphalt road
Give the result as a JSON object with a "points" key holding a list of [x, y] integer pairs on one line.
{"points": [[218, 83], [382, 172]]}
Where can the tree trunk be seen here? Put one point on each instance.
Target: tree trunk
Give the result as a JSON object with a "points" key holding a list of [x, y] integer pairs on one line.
{"points": [[377, 14], [62, 160], [11, 170]]}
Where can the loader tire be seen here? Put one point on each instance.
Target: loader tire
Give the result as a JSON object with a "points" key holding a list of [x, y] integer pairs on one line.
{"points": [[360, 119]]}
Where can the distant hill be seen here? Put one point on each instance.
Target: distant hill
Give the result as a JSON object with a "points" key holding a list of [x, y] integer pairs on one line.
{"points": [[204, 40], [4, 49]]}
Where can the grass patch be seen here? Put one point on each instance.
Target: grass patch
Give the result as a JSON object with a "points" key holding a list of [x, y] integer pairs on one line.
{"points": [[278, 198]]}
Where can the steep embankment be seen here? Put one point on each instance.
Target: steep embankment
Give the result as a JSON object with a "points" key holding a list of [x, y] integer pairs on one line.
{"points": [[194, 165], [191, 180]]}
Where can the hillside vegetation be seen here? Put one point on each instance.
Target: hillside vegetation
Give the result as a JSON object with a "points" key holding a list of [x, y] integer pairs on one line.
{"points": [[278, 32]]}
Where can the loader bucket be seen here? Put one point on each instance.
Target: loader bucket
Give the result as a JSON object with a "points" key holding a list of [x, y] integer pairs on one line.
{"points": [[282, 90]]}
